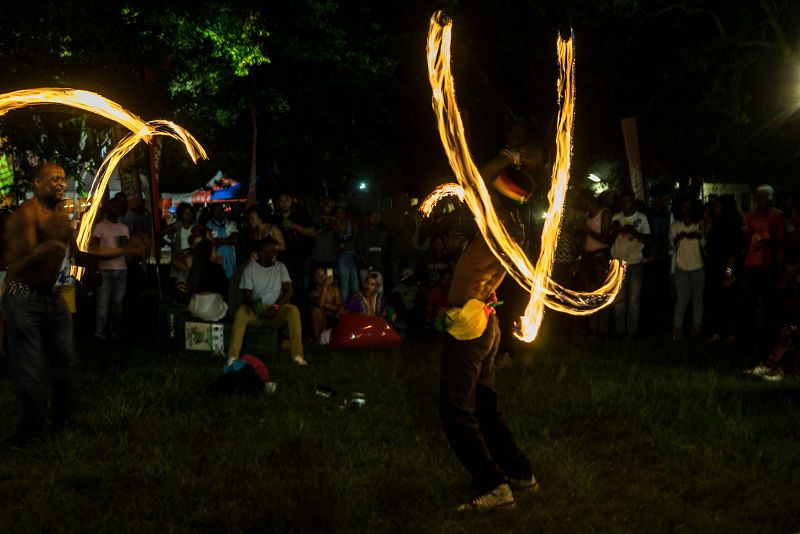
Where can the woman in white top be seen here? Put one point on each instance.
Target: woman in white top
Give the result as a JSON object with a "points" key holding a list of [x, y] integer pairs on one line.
{"points": [[180, 231], [687, 241]]}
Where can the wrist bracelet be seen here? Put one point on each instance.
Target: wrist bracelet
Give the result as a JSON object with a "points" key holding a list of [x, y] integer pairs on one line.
{"points": [[513, 156]]}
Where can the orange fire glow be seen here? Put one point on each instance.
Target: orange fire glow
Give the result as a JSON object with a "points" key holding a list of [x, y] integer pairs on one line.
{"points": [[536, 279], [445, 190], [94, 103]]}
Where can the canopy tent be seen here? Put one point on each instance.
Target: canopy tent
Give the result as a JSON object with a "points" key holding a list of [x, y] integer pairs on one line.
{"points": [[219, 189]]}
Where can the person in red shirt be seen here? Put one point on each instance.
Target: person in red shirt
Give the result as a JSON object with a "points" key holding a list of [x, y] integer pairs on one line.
{"points": [[765, 230]]}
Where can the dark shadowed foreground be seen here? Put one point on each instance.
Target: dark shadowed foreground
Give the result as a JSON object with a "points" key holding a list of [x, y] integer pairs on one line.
{"points": [[634, 436]]}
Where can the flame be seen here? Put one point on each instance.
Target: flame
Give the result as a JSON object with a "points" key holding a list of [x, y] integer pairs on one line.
{"points": [[445, 190], [94, 103], [536, 279]]}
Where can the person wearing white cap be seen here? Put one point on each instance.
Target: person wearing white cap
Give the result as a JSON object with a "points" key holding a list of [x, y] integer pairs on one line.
{"points": [[765, 230]]}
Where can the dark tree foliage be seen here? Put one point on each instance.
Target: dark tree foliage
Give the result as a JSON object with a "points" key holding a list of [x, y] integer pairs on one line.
{"points": [[340, 88]]}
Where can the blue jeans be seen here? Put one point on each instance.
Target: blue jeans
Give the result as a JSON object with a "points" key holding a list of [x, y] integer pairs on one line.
{"points": [[39, 329], [689, 285], [627, 306], [110, 293], [348, 273]]}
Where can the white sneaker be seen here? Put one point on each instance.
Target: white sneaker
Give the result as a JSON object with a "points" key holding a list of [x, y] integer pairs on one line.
{"points": [[524, 484], [775, 375], [499, 497], [299, 360], [758, 370]]}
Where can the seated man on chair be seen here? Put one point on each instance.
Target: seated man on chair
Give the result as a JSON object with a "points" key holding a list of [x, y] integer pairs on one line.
{"points": [[266, 289]]}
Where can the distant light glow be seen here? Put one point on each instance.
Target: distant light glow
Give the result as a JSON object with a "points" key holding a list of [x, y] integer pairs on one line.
{"points": [[362, 186]]}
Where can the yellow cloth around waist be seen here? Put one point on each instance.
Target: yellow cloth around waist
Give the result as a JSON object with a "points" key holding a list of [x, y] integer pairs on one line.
{"points": [[467, 322], [67, 294]]}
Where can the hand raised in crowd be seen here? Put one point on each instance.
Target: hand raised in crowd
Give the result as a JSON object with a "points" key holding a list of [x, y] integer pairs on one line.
{"points": [[137, 246]]}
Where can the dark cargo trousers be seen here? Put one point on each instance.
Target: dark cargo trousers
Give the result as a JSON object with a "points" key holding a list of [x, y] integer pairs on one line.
{"points": [[478, 433], [39, 330]]}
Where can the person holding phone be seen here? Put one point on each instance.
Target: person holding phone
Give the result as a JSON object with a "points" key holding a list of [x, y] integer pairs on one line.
{"points": [[326, 300], [111, 233]]}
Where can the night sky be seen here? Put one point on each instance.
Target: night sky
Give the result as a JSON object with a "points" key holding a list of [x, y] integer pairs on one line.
{"points": [[713, 85]]}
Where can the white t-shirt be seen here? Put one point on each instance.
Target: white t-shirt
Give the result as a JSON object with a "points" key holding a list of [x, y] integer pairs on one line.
{"points": [[109, 233], [264, 282], [625, 246], [688, 256]]}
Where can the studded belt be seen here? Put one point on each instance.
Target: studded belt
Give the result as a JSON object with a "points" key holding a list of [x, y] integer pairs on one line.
{"points": [[18, 288]]}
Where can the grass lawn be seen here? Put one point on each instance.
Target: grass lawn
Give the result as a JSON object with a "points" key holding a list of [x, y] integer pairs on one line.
{"points": [[625, 436]]}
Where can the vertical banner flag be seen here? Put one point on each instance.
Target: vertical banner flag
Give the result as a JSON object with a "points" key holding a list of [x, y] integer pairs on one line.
{"points": [[634, 160], [154, 149]]}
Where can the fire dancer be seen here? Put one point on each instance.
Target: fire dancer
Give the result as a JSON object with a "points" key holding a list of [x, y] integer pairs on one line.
{"points": [[40, 242], [477, 431]]}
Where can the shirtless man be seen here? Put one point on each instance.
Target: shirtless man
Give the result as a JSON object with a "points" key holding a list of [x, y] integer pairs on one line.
{"points": [[468, 407], [39, 239]]}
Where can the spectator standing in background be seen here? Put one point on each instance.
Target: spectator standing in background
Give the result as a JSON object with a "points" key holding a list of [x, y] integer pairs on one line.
{"points": [[723, 266], [258, 218], [325, 251], [371, 246], [596, 253], [179, 232], [110, 233], [136, 219], [225, 234], [298, 232], [631, 232], [764, 228], [346, 238], [401, 232], [657, 291], [687, 238]]}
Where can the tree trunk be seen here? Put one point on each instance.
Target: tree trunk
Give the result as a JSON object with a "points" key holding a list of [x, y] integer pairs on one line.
{"points": [[251, 181]]}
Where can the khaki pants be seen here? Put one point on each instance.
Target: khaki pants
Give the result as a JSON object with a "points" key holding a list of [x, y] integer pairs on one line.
{"points": [[288, 316]]}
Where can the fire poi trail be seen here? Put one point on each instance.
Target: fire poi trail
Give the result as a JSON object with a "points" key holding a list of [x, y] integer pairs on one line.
{"points": [[536, 279], [94, 103]]}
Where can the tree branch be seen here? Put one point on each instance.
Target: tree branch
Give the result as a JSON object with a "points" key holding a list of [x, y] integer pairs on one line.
{"points": [[778, 31]]}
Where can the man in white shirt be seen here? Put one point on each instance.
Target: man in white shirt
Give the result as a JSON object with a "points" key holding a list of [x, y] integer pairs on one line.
{"points": [[110, 233], [266, 289], [630, 233]]}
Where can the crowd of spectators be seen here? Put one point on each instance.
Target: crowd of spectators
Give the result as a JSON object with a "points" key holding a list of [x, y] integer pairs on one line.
{"points": [[708, 272], [329, 261], [704, 271]]}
